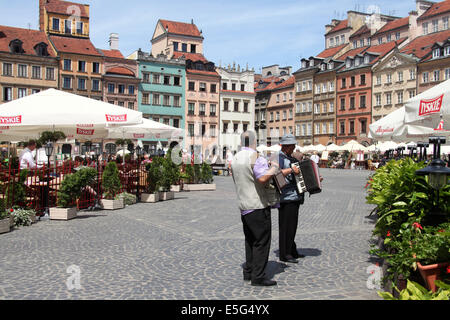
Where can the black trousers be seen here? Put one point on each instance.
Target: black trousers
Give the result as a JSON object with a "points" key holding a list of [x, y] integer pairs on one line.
{"points": [[258, 233], [287, 225]]}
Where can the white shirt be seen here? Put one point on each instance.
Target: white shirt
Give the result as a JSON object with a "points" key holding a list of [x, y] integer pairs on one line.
{"points": [[27, 160], [315, 158]]}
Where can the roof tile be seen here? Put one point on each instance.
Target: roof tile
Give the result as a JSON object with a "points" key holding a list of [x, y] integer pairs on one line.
{"points": [[182, 28], [30, 39], [65, 7], [421, 46], [435, 9], [74, 45]]}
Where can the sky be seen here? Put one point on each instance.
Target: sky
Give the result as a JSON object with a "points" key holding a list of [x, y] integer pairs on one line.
{"points": [[254, 32]]}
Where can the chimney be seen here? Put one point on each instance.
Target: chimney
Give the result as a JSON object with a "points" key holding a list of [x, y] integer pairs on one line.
{"points": [[422, 6], [41, 14], [114, 41]]}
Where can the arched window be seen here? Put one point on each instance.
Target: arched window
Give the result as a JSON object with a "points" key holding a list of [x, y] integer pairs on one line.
{"points": [[41, 49], [15, 46]]}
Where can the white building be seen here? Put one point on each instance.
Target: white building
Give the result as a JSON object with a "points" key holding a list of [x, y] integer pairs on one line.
{"points": [[237, 106]]}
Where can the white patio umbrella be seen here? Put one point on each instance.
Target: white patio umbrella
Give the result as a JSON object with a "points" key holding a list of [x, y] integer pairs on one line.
{"points": [[274, 148], [426, 108], [148, 129], [54, 110], [352, 146], [332, 147], [319, 148], [383, 147]]}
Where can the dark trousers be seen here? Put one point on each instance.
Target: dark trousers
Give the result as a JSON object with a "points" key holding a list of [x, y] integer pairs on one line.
{"points": [[258, 233], [287, 225]]}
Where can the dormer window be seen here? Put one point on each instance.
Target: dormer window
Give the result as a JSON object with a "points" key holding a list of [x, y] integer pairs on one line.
{"points": [[447, 51], [41, 49], [356, 62], [367, 59], [330, 65], [311, 62], [324, 67], [304, 64], [16, 46], [348, 63], [436, 53]]}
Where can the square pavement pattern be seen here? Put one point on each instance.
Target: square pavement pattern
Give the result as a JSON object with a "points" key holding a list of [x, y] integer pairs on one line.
{"points": [[193, 248]]}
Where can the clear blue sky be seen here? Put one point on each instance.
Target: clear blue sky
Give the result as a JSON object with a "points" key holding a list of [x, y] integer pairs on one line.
{"points": [[257, 32]]}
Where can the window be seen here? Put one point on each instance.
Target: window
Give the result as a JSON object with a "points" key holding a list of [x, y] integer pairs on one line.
{"points": [[284, 97], [331, 106], [68, 26], [380, 40], [278, 98], [400, 76], [156, 99], [447, 73], [212, 109], [176, 123], [155, 119], [435, 25], [145, 98], [82, 66], [425, 77], [412, 93], [166, 100], [79, 27], [67, 82], [352, 103], [236, 106], [304, 133], [33, 91], [399, 97], [277, 116], [363, 123], [291, 114], [7, 69], [235, 127], [202, 87], [361, 42], [388, 98], [388, 38], [212, 130], [184, 47], [297, 108], [121, 88], [22, 92], [176, 101], [130, 89], [191, 86], [352, 127], [226, 105], [156, 79], [331, 126], [22, 70], [224, 86], [436, 53], [7, 94], [332, 42], [175, 46], [121, 103], [67, 64], [191, 108], [342, 39], [445, 22], [436, 75], [176, 81], [363, 79], [297, 130], [36, 72], [225, 127], [191, 129], [425, 28], [50, 74], [397, 36], [309, 106], [317, 128], [304, 107], [167, 80], [233, 86], [166, 121], [331, 86], [95, 85], [309, 132], [271, 116], [55, 24], [412, 74], [343, 83], [389, 78], [447, 51], [242, 87], [378, 80], [81, 84], [342, 127], [245, 106], [245, 127], [317, 88], [342, 104], [284, 115], [324, 128], [111, 87], [316, 108], [378, 99], [213, 88], [95, 67], [362, 102]]}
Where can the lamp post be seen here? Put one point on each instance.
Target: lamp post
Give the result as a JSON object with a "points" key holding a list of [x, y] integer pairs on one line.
{"points": [[437, 173], [139, 152], [97, 152], [48, 152]]}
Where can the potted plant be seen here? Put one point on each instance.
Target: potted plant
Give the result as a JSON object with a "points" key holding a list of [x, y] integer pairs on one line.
{"points": [[168, 175], [174, 172], [111, 186], [200, 178], [128, 198], [23, 216], [151, 193], [71, 188]]}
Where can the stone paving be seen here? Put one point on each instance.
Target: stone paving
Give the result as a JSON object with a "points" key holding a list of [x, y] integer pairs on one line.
{"points": [[193, 248]]}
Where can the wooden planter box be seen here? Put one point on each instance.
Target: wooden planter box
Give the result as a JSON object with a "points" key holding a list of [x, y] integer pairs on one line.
{"points": [[5, 225], [112, 204], [166, 195], [200, 187], [175, 188], [63, 213], [150, 197], [431, 273]]}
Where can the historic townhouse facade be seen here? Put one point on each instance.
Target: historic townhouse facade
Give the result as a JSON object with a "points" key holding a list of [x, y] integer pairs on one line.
{"points": [[28, 63], [237, 106], [280, 111], [161, 95], [304, 96]]}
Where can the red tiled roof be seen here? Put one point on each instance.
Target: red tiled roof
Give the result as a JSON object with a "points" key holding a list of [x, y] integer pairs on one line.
{"points": [[421, 46], [202, 72], [271, 79], [74, 45], [190, 56], [30, 39], [363, 30], [113, 54], [396, 24], [188, 29], [331, 52], [287, 83], [352, 53], [66, 8], [435, 9], [121, 71], [340, 26], [384, 48]]}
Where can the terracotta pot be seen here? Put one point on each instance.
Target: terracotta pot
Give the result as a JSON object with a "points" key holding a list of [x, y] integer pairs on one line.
{"points": [[430, 273]]}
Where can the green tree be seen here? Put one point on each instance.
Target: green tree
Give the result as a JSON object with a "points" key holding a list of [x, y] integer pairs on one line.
{"points": [[111, 181]]}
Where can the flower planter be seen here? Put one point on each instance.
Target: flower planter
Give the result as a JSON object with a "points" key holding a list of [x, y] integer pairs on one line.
{"points": [[175, 188], [430, 273], [150, 197], [63, 213], [166, 195], [112, 204], [200, 187], [5, 225]]}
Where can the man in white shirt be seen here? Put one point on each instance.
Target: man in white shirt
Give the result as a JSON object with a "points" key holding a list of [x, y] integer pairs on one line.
{"points": [[26, 159], [315, 158]]}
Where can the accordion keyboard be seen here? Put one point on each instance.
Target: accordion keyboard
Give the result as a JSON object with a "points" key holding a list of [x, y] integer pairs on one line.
{"points": [[301, 186]]}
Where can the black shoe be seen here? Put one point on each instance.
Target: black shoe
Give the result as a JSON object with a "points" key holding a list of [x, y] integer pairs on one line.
{"points": [[247, 278], [264, 283], [298, 256], [289, 259]]}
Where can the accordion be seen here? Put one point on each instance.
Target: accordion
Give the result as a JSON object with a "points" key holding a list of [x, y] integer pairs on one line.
{"points": [[309, 178]]}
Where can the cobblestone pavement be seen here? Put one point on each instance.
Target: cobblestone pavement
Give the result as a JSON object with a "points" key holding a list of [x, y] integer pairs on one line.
{"points": [[193, 248]]}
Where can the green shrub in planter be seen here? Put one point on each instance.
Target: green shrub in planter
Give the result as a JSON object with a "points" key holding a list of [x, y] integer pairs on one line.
{"points": [[415, 291], [111, 181], [154, 175], [22, 217], [128, 198], [73, 185], [189, 173], [206, 173], [15, 193], [197, 173]]}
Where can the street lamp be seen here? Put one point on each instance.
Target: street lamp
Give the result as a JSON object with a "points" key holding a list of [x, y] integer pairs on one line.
{"points": [[48, 152], [437, 173], [97, 152], [139, 152]]}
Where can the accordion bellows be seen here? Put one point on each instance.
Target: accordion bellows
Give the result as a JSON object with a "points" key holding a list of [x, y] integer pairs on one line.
{"points": [[309, 178]]}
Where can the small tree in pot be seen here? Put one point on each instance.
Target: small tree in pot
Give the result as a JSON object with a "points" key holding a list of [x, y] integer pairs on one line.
{"points": [[154, 175], [111, 186]]}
